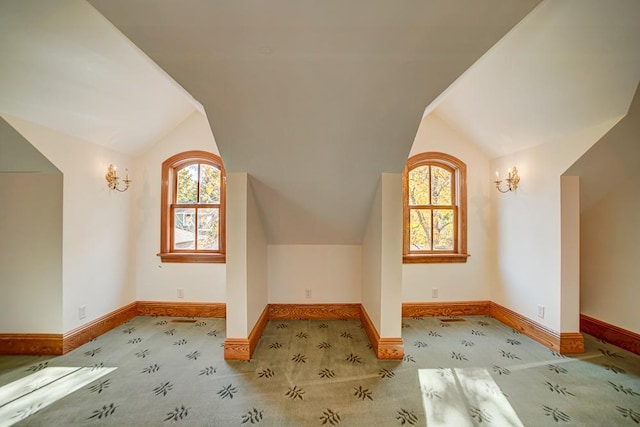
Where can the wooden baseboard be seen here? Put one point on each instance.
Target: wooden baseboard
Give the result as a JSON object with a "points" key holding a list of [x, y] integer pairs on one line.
{"points": [[610, 333], [31, 344], [436, 309], [314, 311], [85, 333], [258, 329], [384, 348], [564, 343], [237, 349], [182, 309]]}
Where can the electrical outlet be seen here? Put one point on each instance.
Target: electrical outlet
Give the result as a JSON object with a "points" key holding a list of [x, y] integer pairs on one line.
{"points": [[307, 293], [434, 293], [180, 292], [541, 311], [82, 312]]}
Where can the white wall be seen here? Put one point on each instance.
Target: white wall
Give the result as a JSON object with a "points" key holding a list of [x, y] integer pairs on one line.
{"points": [[257, 277], [528, 229], [96, 254], [382, 258], [331, 272], [31, 253], [246, 258], [610, 271], [456, 282], [157, 281]]}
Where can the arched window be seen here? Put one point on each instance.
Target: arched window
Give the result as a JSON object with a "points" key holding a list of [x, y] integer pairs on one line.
{"points": [[193, 208], [435, 213]]}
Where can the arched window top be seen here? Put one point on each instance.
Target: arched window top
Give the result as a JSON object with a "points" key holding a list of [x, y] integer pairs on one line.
{"points": [[434, 211], [193, 208]]}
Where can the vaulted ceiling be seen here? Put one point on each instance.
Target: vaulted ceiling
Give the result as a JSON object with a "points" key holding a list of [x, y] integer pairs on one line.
{"points": [[315, 99]]}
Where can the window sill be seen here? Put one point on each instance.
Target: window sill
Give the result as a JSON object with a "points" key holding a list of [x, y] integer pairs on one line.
{"points": [[193, 258], [435, 259]]}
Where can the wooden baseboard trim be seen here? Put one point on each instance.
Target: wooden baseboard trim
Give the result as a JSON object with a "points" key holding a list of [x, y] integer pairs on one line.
{"points": [[610, 333], [258, 329], [182, 309], [31, 344], [85, 333], [384, 348], [314, 311], [436, 309], [564, 343], [237, 349]]}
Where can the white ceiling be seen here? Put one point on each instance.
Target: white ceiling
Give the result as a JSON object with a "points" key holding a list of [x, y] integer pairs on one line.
{"points": [[64, 66], [569, 65], [314, 99]]}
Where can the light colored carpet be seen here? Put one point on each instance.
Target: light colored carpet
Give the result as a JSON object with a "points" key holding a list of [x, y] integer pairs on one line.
{"points": [[314, 373]]}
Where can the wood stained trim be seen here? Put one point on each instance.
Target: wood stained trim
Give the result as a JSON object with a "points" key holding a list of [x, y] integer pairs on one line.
{"points": [[237, 349], [613, 334], [85, 333], [384, 348], [258, 329], [314, 311], [435, 309], [182, 309], [564, 343], [31, 344]]}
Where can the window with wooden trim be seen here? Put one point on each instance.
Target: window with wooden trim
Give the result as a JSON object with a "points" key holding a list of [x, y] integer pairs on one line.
{"points": [[435, 212], [193, 208]]}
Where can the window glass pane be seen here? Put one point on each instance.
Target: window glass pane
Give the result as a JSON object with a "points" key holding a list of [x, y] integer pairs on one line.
{"points": [[208, 220], [443, 235], [440, 186], [187, 191], [420, 230], [209, 184], [419, 186], [184, 228]]}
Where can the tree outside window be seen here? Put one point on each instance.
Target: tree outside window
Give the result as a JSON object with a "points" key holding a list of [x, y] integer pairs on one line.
{"points": [[193, 208], [434, 187]]}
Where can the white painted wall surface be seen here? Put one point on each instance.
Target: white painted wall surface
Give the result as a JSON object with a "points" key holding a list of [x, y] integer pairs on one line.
{"points": [[610, 271], [528, 229], [569, 253], [257, 278], [331, 272], [391, 257], [237, 274], [456, 282], [97, 258], [157, 281], [372, 261], [31, 253]]}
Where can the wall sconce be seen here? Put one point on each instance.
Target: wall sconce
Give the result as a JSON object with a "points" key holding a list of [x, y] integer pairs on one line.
{"points": [[113, 180], [512, 180]]}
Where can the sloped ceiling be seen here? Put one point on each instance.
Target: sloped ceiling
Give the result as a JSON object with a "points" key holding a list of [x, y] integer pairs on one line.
{"points": [[612, 160], [64, 66], [314, 99], [569, 65], [17, 155]]}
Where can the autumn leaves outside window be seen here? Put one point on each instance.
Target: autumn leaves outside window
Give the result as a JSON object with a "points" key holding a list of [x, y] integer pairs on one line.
{"points": [[193, 211], [434, 194]]}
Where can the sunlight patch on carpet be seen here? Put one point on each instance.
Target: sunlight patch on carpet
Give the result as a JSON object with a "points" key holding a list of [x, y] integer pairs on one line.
{"points": [[30, 394], [464, 398]]}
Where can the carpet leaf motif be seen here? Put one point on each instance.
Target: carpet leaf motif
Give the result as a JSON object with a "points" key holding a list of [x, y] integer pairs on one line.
{"points": [[615, 369], [513, 342], [302, 335], [629, 413], [213, 333], [142, 354], [170, 332], [330, 417], [177, 414], [327, 373], [386, 373], [100, 386], [435, 334], [347, 335], [103, 412], [406, 417], [253, 416], [480, 415], [129, 330], [500, 370], [622, 389], [508, 355], [458, 356], [24, 413], [227, 391], [180, 342], [276, 345], [299, 358], [408, 358], [353, 358], [557, 369], [610, 354], [362, 393], [135, 341], [420, 344], [324, 345], [558, 389], [467, 343], [209, 370], [556, 414], [295, 393], [193, 355], [266, 373], [93, 352], [151, 369], [477, 333], [38, 367]]}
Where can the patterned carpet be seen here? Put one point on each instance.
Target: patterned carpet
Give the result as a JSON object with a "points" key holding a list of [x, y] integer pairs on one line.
{"points": [[311, 373]]}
